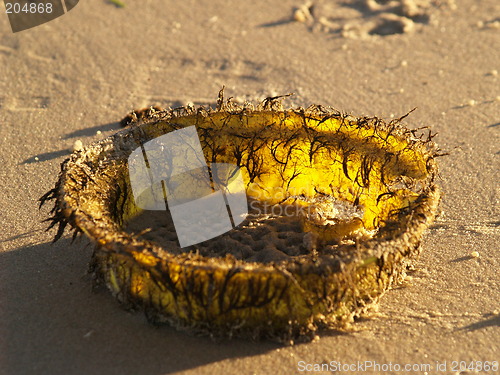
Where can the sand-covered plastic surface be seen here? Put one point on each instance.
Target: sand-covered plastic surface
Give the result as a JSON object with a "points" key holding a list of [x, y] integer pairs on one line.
{"points": [[67, 83], [268, 234]]}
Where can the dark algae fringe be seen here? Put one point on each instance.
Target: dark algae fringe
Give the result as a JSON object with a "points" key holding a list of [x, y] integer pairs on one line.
{"points": [[384, 169]]}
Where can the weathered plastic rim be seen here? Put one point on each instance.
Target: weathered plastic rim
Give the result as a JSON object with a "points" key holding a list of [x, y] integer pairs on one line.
{"points": [[358, 280]]}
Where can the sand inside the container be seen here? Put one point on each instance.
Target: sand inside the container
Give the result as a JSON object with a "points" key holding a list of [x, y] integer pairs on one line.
{"points": [[269, 233]]}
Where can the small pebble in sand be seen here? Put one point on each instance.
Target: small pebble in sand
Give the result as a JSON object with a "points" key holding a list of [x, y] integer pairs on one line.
{"points": [[497, 98], [78, 145], [302, 14], [494, 73], [36, 158], [404, 63], [474, 254], [471, 103], [299, 16], [494, 25], [98, 132]]}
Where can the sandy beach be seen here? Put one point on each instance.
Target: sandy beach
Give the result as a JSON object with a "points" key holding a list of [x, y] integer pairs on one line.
{"points": [[74, 78]]}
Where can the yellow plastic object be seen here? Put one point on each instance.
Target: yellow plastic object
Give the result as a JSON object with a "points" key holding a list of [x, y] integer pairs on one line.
{"points": [[295, 155]]}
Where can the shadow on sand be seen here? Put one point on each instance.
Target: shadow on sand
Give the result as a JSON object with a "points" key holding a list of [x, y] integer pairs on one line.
{"points": [[53, 323]]}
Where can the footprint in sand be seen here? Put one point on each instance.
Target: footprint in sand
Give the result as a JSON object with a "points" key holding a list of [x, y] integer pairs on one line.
{"points": [[362, 19]]}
